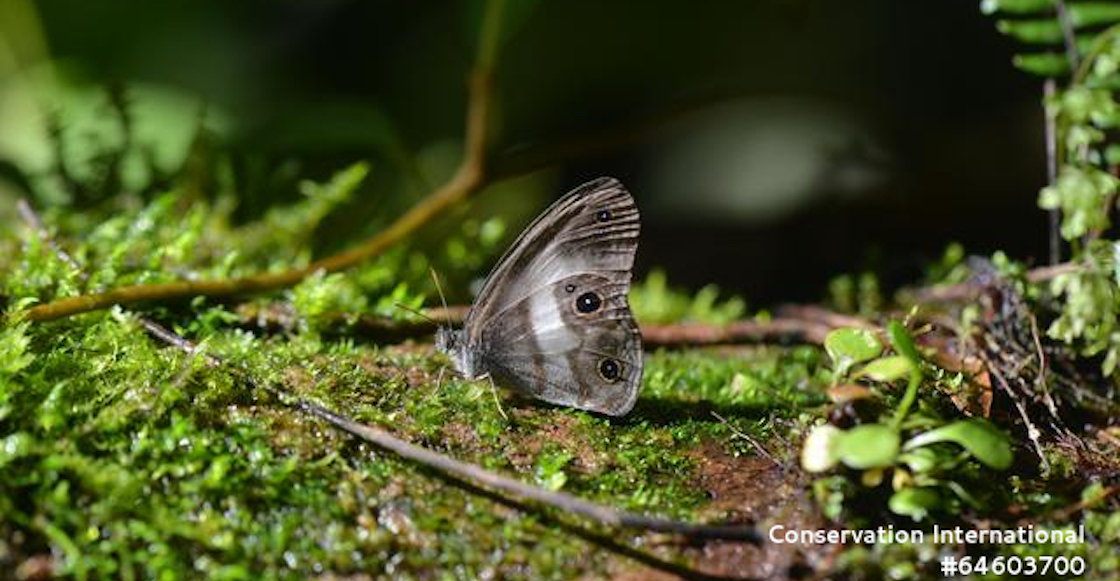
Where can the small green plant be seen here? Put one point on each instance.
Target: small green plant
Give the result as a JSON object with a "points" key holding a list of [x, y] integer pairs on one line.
{"points": [[931, 460], [653, 301]]}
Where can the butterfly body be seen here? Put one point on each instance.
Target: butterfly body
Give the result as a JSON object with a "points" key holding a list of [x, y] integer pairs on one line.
{"points": [[552, 320]]}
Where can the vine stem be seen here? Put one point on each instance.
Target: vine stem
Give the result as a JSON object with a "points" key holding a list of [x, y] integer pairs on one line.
{"points": [[468, 179], [1055, 215]]}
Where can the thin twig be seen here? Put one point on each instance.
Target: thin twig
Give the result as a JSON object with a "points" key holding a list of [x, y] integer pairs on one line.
{"points": [[28, 214], [746, 331], [1063, 514], [565, 502], [1069, 37], [969, 290], [740, 433], [1055, 214]]}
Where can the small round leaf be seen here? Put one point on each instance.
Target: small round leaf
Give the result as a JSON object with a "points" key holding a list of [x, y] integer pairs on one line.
{"points": [[848, 346], [868, 446]]}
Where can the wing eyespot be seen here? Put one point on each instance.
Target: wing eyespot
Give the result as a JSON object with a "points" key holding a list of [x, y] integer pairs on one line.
{"points": [[603, 215], [570, 288], [588, 302], [609, 370]]}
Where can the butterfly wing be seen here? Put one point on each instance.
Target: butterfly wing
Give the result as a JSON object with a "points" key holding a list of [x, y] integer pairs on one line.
{"points": [[553, 319]]}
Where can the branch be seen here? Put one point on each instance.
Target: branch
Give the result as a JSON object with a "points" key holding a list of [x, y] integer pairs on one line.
{"points": [[562, 501], [969, 290]]}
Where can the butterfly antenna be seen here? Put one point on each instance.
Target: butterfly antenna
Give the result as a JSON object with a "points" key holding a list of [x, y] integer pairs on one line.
{"points": [[405, 307], [442, 298]]}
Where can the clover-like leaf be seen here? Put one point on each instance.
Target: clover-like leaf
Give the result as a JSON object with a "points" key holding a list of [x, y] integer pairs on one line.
{"points": [[979, 438], [868, 446], [848, 346]]}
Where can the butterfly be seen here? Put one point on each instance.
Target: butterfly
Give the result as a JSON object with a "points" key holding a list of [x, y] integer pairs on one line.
{"points": [[552, 320]]}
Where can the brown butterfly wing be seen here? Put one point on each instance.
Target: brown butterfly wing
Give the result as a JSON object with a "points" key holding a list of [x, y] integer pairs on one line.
{"points": [[580, 346], [528, 328]]}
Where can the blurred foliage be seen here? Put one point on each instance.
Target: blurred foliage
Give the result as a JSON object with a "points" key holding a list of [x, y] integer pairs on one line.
{"points": [[1085, 115], [1040, 26], [1085, 192], [855, 293], [653, 301]]}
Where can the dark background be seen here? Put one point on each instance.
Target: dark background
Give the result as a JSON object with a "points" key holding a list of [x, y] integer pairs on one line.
{"points": [[771, 144]]}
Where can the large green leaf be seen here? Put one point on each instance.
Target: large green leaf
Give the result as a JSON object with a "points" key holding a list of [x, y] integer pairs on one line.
{"points": [[980, 438], [849, 346]]}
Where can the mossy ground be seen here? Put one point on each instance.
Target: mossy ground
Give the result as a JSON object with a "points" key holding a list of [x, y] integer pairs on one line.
{"points": [[122, 457], [126, 458]]}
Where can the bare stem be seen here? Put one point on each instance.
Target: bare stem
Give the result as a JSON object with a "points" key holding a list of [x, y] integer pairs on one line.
{"points": [[1054, 215]]}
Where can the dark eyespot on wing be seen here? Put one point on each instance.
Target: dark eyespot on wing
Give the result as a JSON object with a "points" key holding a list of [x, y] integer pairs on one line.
{"points": [[588, 302], [609, 369]]}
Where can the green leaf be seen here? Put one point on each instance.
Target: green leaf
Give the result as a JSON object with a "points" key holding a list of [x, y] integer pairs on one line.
{"points": [[888, 368], [920, 460], [978, 437], [901, 341], [868, 446], [550, 469], [849, 346], [1080, 192], [1082, 14], [14, 356], [1043, 64], [1032, 31], [915, 503], [1016, 6]]}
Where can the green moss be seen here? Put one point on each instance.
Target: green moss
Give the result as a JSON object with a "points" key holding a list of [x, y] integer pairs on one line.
{"points": [[127, 459], [124, 458]]}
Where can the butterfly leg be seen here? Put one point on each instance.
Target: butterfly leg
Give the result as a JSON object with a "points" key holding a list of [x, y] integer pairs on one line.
{"points": [[494, 392]]}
